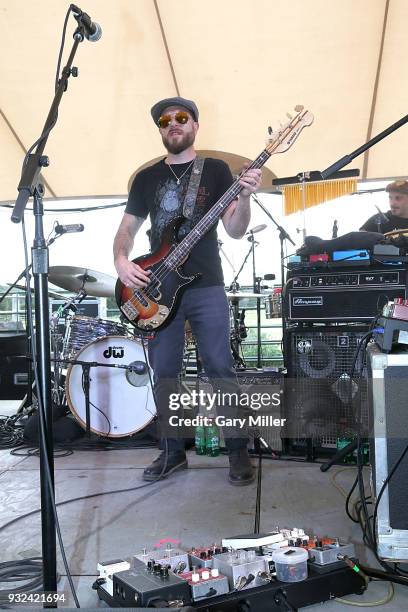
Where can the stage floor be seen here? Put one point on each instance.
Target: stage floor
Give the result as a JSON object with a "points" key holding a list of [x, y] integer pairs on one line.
{"points": [[197, 506]]}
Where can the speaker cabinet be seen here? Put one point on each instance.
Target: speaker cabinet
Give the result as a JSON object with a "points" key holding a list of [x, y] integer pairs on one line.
{"points": [[13, 366], [321, 400]]}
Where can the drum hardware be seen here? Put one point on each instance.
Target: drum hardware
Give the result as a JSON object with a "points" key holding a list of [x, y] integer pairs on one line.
{"points": [[254, 230], [237, 333], [273, 304], [256, 285], [53, 294], [283, 235]]}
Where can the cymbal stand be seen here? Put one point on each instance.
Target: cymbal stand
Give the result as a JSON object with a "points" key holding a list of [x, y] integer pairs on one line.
{"points": [[236, 340], [256, 282], [283, 235], [234, 285], [59, 342]]}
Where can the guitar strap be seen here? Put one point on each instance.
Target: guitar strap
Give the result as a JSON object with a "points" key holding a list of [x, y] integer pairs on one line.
{"points": [[193, 185]]}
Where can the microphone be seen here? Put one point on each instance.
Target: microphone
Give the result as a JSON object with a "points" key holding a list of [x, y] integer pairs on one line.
{"points": [[335, 229], [92, 30], [66, 229], [139, 367], [382, 215]]}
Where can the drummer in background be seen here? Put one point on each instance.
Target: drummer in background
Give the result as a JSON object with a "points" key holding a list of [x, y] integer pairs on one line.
{"points": [[397, 216]]}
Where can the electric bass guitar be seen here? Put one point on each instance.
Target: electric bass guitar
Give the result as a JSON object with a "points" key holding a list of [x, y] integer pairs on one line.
{"points": [[152, 307]]}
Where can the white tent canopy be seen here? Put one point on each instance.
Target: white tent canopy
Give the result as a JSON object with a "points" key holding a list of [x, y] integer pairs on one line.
{"points": [[245, 65]]}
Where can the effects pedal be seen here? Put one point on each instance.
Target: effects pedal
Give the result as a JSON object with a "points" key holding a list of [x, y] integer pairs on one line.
{"points": [[326, 554], [244, 569], [106, 571], [176, 558], [206, 583], [202, 556], [150, 585]]}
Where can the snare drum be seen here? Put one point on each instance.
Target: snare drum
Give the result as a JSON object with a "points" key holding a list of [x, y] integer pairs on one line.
{"points": [[121, 401], [81, 330]]}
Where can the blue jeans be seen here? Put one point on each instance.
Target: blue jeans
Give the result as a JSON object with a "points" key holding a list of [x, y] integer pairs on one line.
{"points": [[206, 309]]}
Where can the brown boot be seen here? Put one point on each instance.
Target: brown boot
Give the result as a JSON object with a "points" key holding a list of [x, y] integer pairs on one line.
{"points": [[241, 471], [176, 460]]}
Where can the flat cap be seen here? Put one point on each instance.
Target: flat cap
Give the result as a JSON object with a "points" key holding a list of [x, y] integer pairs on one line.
{"points": [[158, 108], [398, 186]]}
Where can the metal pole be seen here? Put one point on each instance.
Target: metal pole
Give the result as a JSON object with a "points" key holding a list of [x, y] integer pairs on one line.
{"points": [[43, 358]]}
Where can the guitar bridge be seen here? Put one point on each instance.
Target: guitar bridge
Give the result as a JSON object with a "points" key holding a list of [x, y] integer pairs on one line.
{"points": [[129, 310]]}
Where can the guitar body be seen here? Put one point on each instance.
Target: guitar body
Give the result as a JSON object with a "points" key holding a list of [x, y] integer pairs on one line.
{"points": [[150, 308]]}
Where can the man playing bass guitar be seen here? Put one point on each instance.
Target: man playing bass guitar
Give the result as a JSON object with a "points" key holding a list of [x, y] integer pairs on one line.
{"points": [[159, 192]]}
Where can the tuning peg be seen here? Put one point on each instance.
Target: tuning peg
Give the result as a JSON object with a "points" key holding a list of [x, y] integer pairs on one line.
{"points": [[270, 130], [299, 108], [289, 116]]}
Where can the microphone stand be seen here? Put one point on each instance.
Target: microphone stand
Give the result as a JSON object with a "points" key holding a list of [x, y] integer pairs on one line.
{"points": [[30, 186], [283, 235], [256, 285], [348, 158]]}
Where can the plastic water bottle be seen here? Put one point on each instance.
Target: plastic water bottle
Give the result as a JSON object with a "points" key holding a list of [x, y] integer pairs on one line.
{"points": [[200, 447], [212, 443]]}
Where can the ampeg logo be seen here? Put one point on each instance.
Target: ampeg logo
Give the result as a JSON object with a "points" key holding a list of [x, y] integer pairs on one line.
{"points": [[116, 352], [304, 347], [316, 300]]}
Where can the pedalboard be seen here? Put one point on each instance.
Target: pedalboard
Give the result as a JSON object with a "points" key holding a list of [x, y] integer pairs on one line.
{"points": [[213, 578]]}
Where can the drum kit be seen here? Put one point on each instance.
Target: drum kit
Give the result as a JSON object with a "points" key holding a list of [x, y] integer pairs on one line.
{"points": [[99, 368]]}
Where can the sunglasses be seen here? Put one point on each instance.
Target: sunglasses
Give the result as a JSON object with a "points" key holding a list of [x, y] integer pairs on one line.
{"points": [[181, 117]]}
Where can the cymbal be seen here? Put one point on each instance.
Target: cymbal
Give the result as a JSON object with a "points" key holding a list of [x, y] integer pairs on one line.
{"points": [[241, 295], [93, 283], [396, 233], [257, 228], [53, 294]]}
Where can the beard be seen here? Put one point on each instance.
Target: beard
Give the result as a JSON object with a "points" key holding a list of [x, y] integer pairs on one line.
{"points": [[179, 145]]}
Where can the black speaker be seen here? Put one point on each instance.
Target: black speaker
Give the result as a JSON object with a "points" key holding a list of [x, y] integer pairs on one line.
{"points": [[268, 381], [322, 402], [13, 366]]}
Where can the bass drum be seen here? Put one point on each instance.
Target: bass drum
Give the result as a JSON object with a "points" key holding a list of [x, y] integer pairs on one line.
{"points": [[121, 401]]}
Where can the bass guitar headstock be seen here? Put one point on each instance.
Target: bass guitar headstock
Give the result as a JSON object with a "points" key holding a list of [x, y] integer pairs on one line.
{"points": [[283, 139]]}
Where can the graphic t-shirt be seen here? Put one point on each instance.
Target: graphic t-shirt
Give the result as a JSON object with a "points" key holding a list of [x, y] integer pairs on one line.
{"points": [[377, 223], [155, 192]]}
